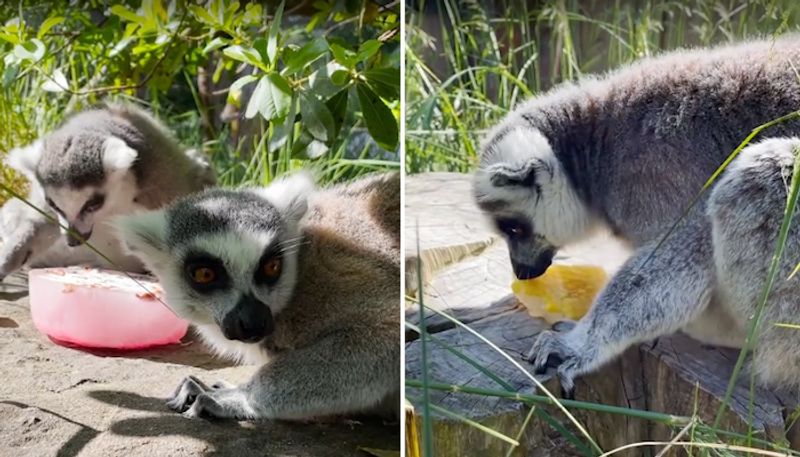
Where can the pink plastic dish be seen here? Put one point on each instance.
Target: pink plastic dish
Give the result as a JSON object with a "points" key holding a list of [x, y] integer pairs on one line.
{"points": [[101, 309]]}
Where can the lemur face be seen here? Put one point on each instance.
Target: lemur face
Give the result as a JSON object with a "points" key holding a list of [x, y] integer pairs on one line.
{"points": [[521, 186], [225, 257], [81, 210], [87, 178]]}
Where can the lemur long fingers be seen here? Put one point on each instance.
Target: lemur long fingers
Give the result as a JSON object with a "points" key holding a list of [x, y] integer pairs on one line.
{"points": [[221, 404], [562, 352], [186, 394], [547, 351]]}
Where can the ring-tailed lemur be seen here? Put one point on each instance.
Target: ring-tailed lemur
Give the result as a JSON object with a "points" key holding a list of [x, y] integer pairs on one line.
{"points": [[111, 160], [629, 151], [314, 299]]}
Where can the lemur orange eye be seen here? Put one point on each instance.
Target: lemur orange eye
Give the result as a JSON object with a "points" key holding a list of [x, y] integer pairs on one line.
{"points": [[272, 267], [203, 275]]}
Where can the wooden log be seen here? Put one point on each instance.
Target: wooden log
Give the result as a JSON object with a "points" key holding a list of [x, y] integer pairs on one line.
{"points": [[675, 375], [441, 219]]}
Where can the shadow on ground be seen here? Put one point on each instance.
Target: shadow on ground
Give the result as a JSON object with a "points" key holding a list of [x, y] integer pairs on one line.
{"points": [[332, 437]]}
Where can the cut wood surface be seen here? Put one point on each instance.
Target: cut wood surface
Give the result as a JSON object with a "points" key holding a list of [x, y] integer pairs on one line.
{"points": [[674, 375]]}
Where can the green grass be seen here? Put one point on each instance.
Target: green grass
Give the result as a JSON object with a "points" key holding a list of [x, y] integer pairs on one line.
{"points": [[466, 67]]}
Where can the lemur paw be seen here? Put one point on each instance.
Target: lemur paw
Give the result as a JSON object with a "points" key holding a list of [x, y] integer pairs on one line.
{"points": [[186, 394], [202, 407], [553, 350]]}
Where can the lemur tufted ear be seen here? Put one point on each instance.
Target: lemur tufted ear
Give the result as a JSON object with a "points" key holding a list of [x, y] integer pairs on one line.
{"points": [[25, 159], [504, 175], [144, 236], [117, 155], [290, 194]]}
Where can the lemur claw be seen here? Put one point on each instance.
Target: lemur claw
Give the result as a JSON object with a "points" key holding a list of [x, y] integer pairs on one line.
{"points": [[186, 394]]}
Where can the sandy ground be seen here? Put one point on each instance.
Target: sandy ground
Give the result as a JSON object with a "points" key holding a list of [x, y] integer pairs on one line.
{"points": [[60, 401]]}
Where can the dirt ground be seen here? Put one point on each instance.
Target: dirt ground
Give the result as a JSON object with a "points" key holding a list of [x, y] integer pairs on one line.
{"points": [[60, 401]]}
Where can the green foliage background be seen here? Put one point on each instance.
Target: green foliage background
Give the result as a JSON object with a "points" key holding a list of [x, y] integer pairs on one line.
{"points": [[470, 62], [320, 73]]}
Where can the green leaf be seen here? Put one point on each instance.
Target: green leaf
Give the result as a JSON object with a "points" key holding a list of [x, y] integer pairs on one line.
{"points": [[153, 11], [236, 87], [379, 118], [344, 56], [367, 50], [58, 83], [246, 55], [215, 44], [10, 75], [298, 60], [260, 45], [316, 149], [120, 46], [48, 24], [230, 13], [128, 15], [337, 105], [272, 43], [316, 117], [384, 81], [340, 77], [252, 14], [241, 82], [10, 37], [203, 16], [271, 97], [32, 50]]}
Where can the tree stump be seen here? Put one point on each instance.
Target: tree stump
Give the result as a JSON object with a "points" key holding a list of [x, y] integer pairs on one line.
{"points": [[469, 278]]}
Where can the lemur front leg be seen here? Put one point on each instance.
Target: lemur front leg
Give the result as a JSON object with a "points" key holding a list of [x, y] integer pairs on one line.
{"points": [[346, 372], [644, 300]]}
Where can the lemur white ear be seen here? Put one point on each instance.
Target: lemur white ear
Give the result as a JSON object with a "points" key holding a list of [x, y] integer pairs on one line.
{"points": [[144, 235], [290, 194], [25, 159], [504, 175], [117, 155]]}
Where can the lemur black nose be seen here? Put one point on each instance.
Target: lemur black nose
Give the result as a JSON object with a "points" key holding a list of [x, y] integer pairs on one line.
{"points": [[526, 271], [250, 321], [73, 241]]}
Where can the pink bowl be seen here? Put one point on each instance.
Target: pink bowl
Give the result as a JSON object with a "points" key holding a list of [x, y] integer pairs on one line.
{"points": [[101, 309]]}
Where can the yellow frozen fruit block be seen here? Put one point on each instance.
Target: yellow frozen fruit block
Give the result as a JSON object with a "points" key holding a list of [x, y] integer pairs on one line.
{"points": [[563, 291]]}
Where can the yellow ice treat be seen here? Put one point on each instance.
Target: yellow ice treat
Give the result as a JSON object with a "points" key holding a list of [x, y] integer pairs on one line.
{"points": [[563, 291]]}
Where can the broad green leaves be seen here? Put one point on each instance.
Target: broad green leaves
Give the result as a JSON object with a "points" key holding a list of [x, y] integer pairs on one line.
{"points": [[298, 60], [379, 118], [274, 30], [283, 73], [56, 83], [316, 117], [304, 89], [384, 81], [48, 24], [271, 98], [247, 55]]}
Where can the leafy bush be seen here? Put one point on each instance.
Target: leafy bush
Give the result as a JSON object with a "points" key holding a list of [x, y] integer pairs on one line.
{"points": [[307, 79]]}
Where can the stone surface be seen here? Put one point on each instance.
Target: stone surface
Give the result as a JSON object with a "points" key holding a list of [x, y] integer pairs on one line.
{"points": [[60, 401]]}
